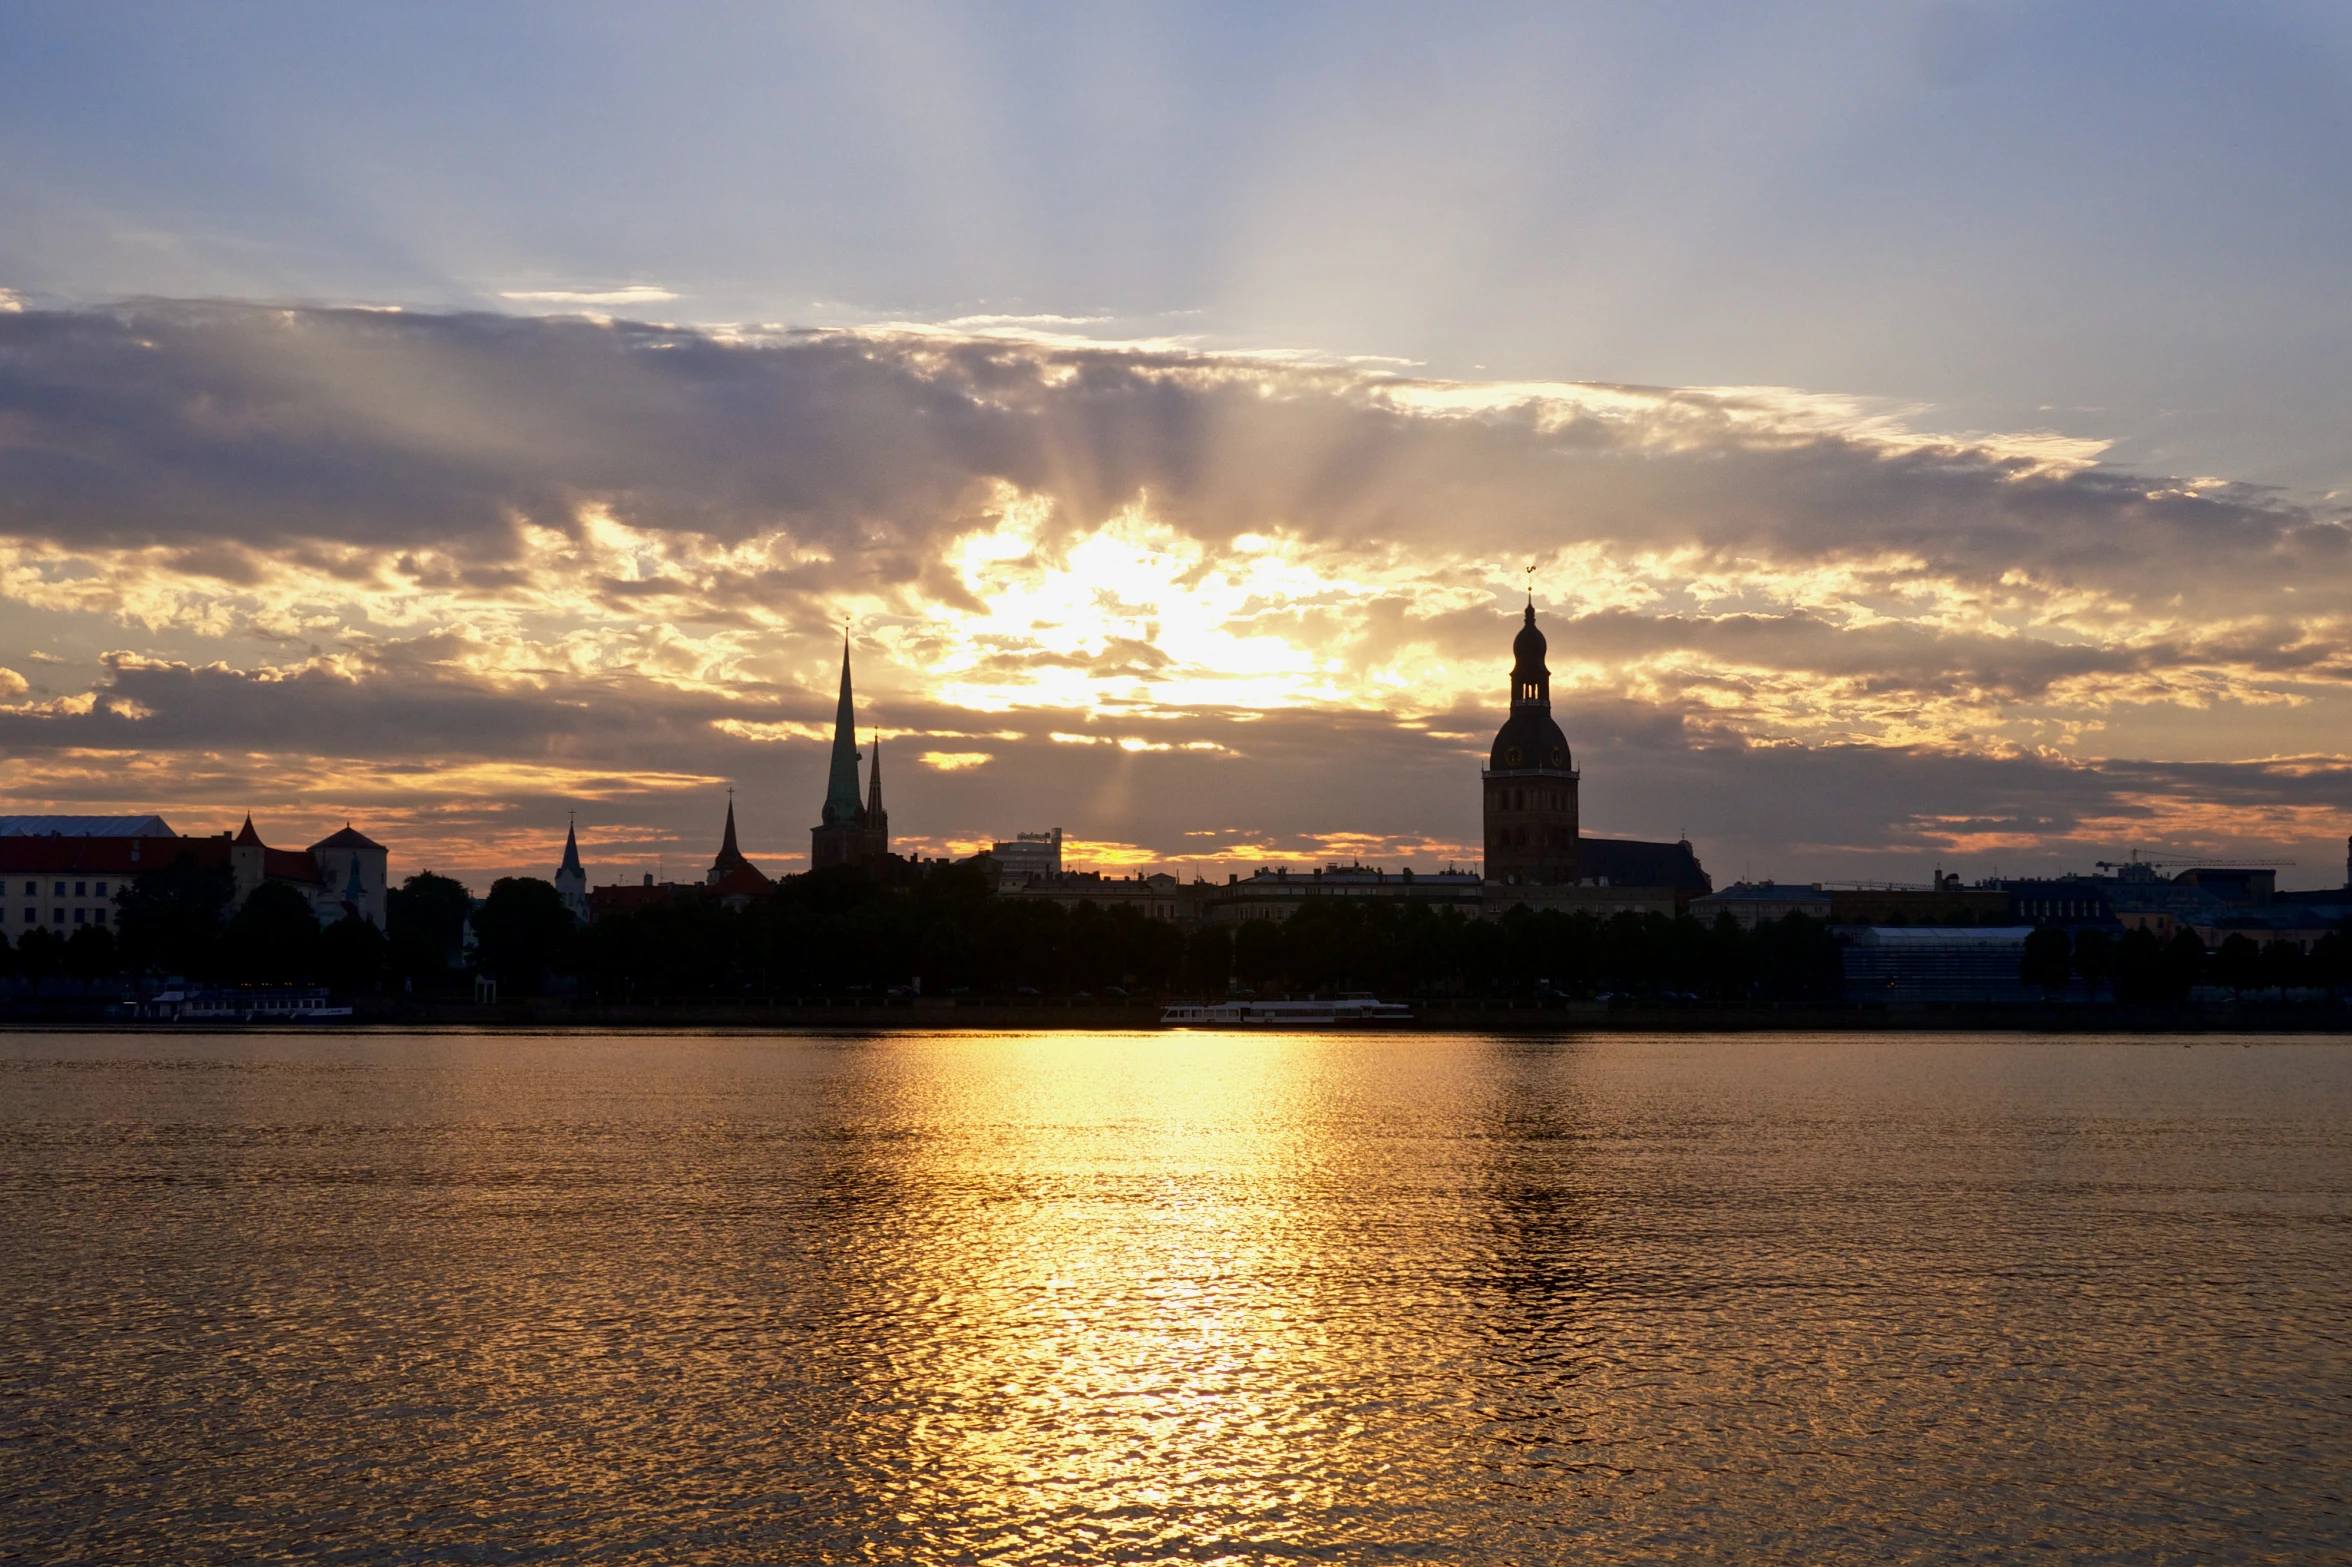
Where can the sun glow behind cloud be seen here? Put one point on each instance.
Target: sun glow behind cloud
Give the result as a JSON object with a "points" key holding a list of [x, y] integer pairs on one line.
{"points": [[1111, 563]]}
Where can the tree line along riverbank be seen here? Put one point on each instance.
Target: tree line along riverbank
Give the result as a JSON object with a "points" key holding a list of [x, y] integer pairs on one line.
{"points": [[841, 939]]}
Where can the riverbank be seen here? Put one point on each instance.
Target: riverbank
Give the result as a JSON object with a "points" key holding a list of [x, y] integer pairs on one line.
{"points": [[1448, 1016]]}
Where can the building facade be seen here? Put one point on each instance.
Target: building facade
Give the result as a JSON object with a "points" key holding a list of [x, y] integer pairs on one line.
{"points": [[67, 880], [1154, 896], [1754, 903], [1030, 854], [1926, 965], [354, 877], [1276, 894]]}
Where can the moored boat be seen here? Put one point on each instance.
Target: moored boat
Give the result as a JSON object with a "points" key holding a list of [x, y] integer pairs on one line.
{"points": [[1347, 1009]]}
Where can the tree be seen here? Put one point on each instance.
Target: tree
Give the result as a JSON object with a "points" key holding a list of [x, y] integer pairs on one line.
{"points": [[2139, 967], [2237, 963], [2184, 964], [273, 939], [170, 919], [2285, 966], [2094, 959], [351, 956], [1731, 960], [523, 930], [1799, 962], [90, 954], [425, 919], [2048, 961], [1258, 955], [40, 952], [1208, 960], [2330, 961]]}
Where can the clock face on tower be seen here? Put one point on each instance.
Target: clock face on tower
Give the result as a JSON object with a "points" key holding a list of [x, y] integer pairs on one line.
{"points": [[1511, 757]]}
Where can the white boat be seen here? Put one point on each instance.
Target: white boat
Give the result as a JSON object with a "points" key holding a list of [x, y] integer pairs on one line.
{"points": [[1350, 1008], [243, 1006]]}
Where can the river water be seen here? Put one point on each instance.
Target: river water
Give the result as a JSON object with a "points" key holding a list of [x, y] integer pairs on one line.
{"points": [[1068, 1297]]}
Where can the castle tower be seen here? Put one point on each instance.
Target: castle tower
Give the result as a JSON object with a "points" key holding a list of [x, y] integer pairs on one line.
{"points": [[848, 833], [1530, 788]]}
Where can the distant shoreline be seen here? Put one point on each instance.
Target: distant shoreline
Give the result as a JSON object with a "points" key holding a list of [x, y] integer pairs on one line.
{"points": [[1497, 1017]]}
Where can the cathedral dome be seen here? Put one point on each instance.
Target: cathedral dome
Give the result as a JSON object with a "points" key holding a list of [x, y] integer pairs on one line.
{"points": [[1529, 739]]}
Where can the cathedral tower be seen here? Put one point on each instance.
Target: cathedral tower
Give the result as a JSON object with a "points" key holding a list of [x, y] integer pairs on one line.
{"points": [[1529, 785], [848, 833]]}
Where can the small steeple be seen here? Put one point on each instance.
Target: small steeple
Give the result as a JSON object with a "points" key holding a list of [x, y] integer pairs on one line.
{"points": [[874, 784], [571, 877], [729, 855], [246, 835]]}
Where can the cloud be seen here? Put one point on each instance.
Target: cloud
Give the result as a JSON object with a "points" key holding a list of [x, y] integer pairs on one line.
{"points": [[628, 294], [1161, 584]]}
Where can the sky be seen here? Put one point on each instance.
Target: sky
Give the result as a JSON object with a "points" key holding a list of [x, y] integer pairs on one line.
{"points": [[1925, 424]]}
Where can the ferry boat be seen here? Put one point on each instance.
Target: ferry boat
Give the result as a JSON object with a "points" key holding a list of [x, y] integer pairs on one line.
{"points": [[243, 1006], [1348, 1009]]}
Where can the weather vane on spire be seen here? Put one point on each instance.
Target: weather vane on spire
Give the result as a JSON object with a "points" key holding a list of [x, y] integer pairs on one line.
{"points": [[1531, 584]]}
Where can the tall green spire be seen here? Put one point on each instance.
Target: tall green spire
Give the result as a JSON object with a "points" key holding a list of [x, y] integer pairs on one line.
{"points": [[841, 786]]}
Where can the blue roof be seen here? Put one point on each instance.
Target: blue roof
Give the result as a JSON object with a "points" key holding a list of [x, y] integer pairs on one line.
{"points": [[85, 827]]}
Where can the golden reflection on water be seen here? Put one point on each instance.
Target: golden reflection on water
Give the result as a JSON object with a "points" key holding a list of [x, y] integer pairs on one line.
{"points": [[1171, 1297], [1134, 1295]]}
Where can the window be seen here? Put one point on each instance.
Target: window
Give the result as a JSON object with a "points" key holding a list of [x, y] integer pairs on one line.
{"points": [[101, 889], [81, 916], [61, 889], [98, 918], [57, 916], [81, 889], [32, 888]]}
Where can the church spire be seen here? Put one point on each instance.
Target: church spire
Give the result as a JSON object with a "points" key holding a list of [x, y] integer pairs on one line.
{"points": [[571, 877], [874, 784], [730, 858], [841, 784]]}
